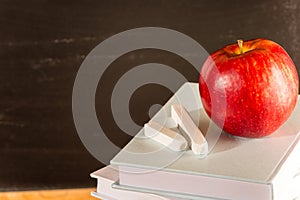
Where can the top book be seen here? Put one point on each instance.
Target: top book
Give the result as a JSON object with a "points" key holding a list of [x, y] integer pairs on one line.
{"points": [[265, 167]]}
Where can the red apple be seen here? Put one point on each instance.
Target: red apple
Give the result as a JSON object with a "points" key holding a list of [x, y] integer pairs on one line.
{"points": [[250, 88]]}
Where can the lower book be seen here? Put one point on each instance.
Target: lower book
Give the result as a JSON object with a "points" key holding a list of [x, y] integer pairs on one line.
{"points": [[108, 176]]}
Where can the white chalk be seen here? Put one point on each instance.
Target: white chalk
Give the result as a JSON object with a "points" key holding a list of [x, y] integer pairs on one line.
{"points": [[198, 142], [165, 136]]}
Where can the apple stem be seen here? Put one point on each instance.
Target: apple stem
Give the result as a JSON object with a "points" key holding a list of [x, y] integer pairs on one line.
{"points": [[240, 44]]}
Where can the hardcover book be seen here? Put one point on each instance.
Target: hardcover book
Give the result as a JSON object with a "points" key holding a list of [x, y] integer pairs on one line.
{"points": [[266, 168], [107, 176]]}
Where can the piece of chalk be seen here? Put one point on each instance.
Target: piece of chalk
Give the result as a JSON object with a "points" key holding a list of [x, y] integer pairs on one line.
{"points": [[198, 142], [165, 136]]}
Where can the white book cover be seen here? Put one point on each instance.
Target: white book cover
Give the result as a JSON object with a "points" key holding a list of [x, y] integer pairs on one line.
{"points": [[107, 176], [267, 168]]}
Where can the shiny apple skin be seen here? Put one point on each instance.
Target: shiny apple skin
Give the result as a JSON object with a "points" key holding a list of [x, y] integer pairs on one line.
{"points": [[260, 87]]}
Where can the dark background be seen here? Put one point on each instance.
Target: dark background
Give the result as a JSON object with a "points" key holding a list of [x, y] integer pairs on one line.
{"points": [[43, 43]]}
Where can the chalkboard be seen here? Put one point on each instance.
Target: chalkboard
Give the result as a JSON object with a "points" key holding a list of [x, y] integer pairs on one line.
{"points": [[43, 43]]}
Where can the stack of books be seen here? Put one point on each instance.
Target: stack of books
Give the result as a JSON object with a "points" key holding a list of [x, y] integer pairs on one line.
{"points": [[235, 169]]}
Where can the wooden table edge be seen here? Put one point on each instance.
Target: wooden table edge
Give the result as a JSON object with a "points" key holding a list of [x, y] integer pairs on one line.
{"points": [[60, 194]]}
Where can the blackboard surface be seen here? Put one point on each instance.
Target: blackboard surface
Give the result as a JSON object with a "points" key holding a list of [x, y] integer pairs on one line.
{"points": [[43, 43]]}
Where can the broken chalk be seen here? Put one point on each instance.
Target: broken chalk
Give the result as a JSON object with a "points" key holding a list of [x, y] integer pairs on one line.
{"points": [[198, 142], [165, 136]]}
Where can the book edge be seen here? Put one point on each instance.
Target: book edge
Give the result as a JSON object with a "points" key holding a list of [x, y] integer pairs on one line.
{"points": [[118, 186]]}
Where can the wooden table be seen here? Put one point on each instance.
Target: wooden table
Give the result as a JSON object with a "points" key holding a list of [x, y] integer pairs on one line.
{"points": [[68, 194]]}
